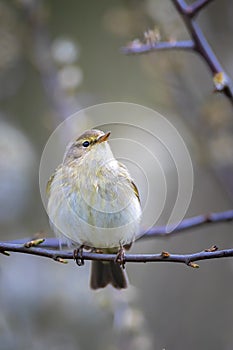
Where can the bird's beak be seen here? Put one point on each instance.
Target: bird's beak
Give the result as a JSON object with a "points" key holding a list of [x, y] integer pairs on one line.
{"points": [[104, 137]]}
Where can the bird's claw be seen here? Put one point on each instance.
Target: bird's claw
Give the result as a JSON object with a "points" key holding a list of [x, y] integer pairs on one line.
{"points": [[120, 257], [78, 256]]}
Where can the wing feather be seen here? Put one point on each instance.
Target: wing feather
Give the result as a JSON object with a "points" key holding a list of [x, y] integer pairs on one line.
{"points": [[125, 173], [49, 183]]}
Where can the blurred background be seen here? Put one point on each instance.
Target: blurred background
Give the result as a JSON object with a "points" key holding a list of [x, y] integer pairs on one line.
{"points": [[56, 58]]}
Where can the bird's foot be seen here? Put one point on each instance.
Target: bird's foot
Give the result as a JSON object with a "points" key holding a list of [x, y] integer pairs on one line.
{"points": [[120, 257], [78, 256]]}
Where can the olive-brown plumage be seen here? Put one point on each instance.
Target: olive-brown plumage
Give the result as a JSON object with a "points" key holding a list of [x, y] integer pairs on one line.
{"points": [[93, 202]]}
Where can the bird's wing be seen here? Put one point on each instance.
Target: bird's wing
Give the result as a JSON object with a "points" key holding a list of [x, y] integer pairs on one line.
{"points": [[125, 173], [50, 181], [135, 189]]}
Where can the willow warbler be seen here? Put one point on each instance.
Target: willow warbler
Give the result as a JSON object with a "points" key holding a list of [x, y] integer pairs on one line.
{"points": [[94, 203]]}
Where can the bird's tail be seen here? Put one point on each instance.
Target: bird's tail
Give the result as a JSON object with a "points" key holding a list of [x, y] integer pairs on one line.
{"points": [[104, 273]]}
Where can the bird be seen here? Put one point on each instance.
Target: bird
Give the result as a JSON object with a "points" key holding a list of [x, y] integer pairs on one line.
{"points": [[94, 204]]}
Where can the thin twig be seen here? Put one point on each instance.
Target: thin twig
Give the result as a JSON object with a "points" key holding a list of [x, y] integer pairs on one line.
{"points": [[191, 223], [139, 48], [198, 44], [62, 256], [196, 7]]}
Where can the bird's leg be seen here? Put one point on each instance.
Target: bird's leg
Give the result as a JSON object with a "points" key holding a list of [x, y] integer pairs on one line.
{"points": [[120, 257], [78, 255]]}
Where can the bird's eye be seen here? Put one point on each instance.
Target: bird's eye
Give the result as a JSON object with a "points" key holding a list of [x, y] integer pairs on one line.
{"points": [[86, 143]]}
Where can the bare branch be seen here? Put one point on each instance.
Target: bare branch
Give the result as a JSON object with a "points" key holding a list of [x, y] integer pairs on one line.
{"points": [[190, 10], [139, 47], [196, 7], [62, 256], [191, 223], [198, 44]]}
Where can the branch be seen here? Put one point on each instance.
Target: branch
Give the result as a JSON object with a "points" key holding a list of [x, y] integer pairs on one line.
{"points": [[198, 44], [190, 223], [49, 248], [194, 9], [137, 47], [62, 256]]}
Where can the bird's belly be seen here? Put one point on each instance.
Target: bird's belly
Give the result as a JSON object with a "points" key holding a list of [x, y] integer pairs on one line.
{"points": [[94, 220]]}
